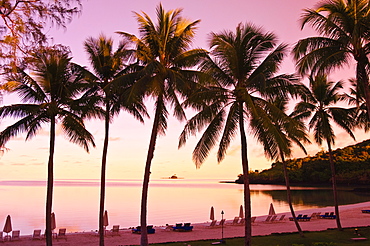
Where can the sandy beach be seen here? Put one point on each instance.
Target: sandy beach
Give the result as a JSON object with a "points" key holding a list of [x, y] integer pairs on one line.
{"points": [[351, 216]]}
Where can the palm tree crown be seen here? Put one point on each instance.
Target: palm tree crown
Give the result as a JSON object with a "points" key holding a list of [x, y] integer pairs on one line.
{"points": [[344, 26], [49, 97], [319, 106], [163, 72], [243, 67], [109, 85]]}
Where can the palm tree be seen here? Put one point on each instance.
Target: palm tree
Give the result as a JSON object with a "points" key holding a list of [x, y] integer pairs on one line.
{"points": [[288, 131], [319, 107], [344, 26], [356, 97], [108, 67], [244, 65], [165, 62], [49, 98]]}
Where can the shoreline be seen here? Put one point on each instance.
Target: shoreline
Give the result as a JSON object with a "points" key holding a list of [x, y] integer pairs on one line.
{"points": [[350, 215]]}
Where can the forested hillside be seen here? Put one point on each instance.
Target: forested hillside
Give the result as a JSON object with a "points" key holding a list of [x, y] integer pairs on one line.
{"points": [[352, 166]]}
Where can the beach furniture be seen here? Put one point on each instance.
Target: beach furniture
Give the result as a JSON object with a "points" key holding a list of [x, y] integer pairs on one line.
{"points": [[305, 218], [235, 221], [16, 235], [282, 217], [242, 221], [1, 237], [253, 219], [365, 210], [62, 234], [328, 216], [268, 218], [149, 228], [183, 228], [318, 215], [212, 225], [115, 230], [222, 222], [36, 235], [273, 218]]}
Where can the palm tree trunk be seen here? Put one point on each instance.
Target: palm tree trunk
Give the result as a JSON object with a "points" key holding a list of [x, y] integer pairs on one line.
{"points": [[144, 196], [247, 194], [49, 192], [334, 183], [102, 178], [363, 80], [289, 196]]}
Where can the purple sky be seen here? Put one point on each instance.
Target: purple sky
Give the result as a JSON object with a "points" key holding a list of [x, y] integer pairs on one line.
{"points": [[129, 138]]}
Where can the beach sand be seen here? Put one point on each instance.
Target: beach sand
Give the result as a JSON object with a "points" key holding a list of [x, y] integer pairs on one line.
{"points": [[351, 216]]}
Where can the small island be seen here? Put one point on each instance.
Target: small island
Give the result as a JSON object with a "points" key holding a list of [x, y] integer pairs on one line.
{"points": [[173, 177]]}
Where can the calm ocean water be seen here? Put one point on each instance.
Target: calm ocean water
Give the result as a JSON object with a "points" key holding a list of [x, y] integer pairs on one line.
{"points": [[76, 202]]}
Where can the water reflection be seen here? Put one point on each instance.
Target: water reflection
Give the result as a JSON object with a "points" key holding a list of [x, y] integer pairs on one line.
{"points": [[76, 202], [318, 197]]}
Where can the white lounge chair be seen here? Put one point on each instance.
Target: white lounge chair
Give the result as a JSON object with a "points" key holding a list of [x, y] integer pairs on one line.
{"points": [[16, 235], [36, 235], [212, 225], [115, 230], [62, 234], [235, 221]]}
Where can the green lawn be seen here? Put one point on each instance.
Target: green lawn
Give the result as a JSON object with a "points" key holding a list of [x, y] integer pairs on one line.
{"points": [[322, 238]]}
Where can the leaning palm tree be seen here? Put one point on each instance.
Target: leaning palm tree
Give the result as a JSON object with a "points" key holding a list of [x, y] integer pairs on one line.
{"points": [[344, 26], [244, 67], [165, 74], [320, 108], [49, 98], [107, 80], [288, 131]]}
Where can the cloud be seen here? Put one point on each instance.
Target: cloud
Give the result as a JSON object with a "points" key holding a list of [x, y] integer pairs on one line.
{"points": [[18, 164], [114, 139]]}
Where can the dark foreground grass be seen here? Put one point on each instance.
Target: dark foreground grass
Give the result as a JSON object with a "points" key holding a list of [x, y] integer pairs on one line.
{"points": [[321, 238]]}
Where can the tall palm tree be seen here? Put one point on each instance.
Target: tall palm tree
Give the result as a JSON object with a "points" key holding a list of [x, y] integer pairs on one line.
{"points": [[108, 69], [320, 108], [243, 67], [289, 131], [49, 98], [165, 63], [344, 26]]}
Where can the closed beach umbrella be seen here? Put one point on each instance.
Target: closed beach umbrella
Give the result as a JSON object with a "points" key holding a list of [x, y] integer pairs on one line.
{"points": [[212, 215], [105, 218], [272, 210], [241, 212], [53, 221], [8, 225]]}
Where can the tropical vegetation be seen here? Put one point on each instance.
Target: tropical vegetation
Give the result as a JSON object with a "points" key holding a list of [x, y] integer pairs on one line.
{"points": [[108, 87], [351, 165], [344, 28], [165, 72], [51, 96], [243, 65], [234, 90]]}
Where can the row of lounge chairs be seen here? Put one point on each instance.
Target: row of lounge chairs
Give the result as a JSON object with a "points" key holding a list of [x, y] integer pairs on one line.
{"points": [[301, 217], [366, 211], [35, 236], [273, 218], [328, 215]]}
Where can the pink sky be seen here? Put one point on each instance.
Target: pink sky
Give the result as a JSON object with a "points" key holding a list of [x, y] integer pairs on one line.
{"points": [[129, 138]]}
